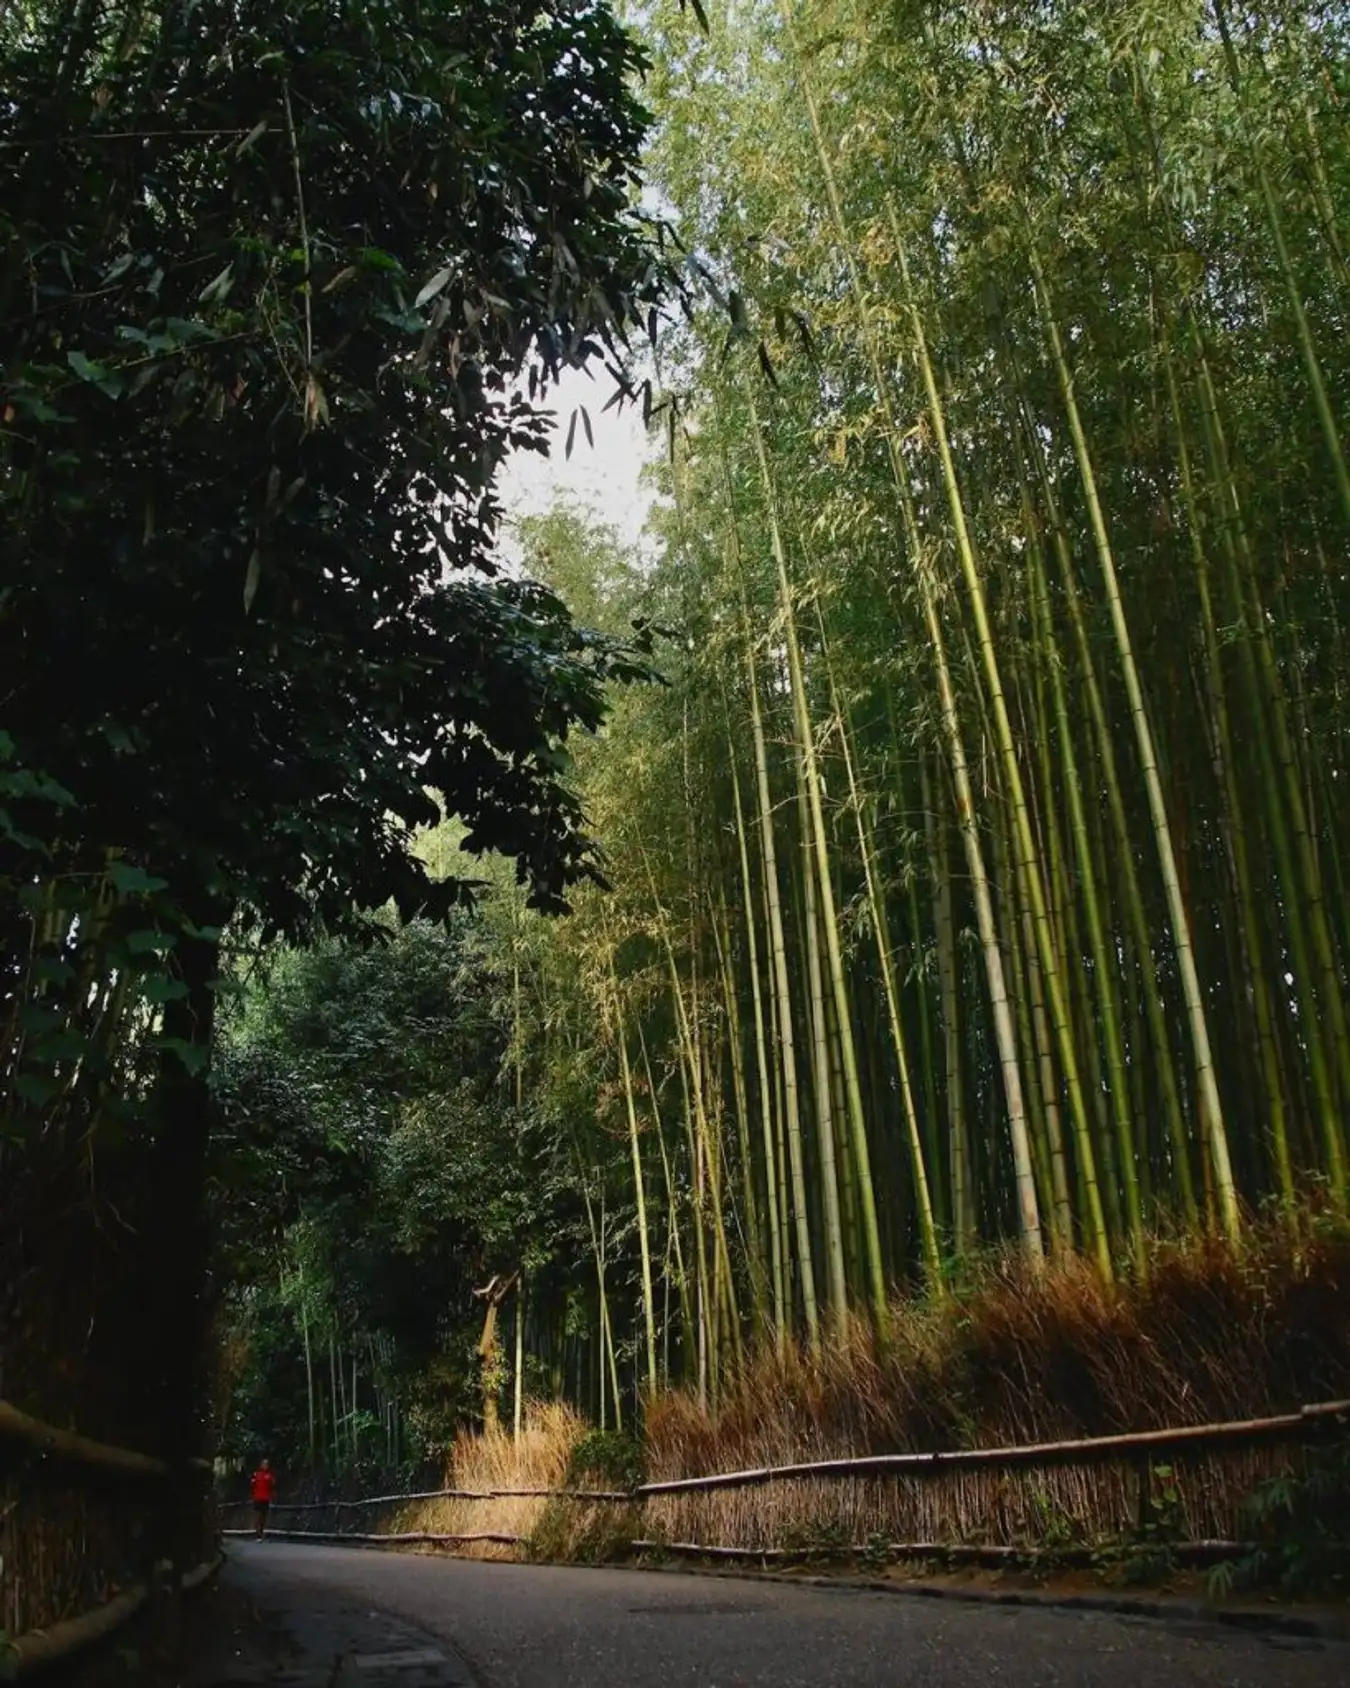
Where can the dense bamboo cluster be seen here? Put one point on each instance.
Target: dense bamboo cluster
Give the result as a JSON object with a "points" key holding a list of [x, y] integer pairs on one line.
{"points": [[980, 874]]}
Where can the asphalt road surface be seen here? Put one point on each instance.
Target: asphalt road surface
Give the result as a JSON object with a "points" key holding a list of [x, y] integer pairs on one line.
{"points": [[522, 1626]]}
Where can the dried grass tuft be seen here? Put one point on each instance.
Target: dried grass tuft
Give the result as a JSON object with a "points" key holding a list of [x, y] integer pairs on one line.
{"points": [[494, 1459]]}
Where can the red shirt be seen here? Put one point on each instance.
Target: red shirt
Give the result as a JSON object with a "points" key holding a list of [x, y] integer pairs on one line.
{"points": [[264, 1487]]}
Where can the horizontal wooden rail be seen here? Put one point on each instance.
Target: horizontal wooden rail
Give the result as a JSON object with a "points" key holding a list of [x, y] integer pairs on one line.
{"points": [[1134, 1444], [599, 1495], [1137, 1444], [47, 1646], [954, 1553], [72, 1448], [58, 1642], [16, 1426], [368, 1500], [207, 1569], [397, 1538], [595, 1495]]}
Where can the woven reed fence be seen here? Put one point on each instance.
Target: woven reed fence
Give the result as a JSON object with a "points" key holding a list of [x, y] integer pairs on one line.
{"points": [[984, 1503], [83, 1528]]}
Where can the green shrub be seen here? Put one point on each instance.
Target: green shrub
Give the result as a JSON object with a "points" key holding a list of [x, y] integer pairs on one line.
{"points": [[1300, 1522], [606, 1459]]}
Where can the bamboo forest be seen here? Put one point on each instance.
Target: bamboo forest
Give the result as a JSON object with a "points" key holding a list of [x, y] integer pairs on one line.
{"points": [[852, 961], [975, 872]]}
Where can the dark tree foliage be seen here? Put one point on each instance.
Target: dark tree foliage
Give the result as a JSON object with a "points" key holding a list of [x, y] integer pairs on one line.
{"points": [[279, 289]]}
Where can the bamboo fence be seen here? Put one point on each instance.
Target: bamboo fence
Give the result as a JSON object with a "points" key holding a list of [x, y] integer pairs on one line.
{"points": [[80, 1542], [990, 1505]]}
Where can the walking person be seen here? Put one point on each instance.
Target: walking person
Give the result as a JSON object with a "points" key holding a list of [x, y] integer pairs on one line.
{"points": [[264, 1492]]}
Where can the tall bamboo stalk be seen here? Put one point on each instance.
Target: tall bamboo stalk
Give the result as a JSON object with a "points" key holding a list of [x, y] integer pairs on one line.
{"points": [[639, 1182], [783, 996], [768, 1146], [890, 983], [1197, 1019], [862, 1155], [1028, 1205]]}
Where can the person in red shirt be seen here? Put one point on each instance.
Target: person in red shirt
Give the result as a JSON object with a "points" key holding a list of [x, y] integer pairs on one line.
{"points": [[264, 1491]]}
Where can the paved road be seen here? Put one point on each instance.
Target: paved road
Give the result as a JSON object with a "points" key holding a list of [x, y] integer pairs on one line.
{"points": [[519, 1626]]}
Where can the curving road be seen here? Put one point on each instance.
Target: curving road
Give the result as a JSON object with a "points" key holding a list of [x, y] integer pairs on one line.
{"points": [[517, 1626]]}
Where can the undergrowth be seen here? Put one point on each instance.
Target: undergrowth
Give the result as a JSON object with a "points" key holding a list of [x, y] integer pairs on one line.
{"points": [[1011, 1356], [1015, 1355], [606, 1459], [593, 1532], [1300, 1524]]}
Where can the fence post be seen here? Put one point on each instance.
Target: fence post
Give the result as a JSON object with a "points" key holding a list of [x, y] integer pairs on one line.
{"points": [[1144, 1516]]}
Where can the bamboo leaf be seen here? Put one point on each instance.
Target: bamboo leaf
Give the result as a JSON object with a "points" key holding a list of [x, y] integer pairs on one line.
{"points": [[766, 364], [437, 285], [252, 577]]}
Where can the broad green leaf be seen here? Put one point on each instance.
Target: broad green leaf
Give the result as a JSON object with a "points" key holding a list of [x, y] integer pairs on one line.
{"points": [[218, 288], [147, 941], [51, 970], [252, 577], [109, 381], [195, 1057], [55, 1047], [133, 881], [37, 1089]]}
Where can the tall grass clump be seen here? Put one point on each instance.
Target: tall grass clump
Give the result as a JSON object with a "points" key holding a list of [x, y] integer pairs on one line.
{"points": [[494, 1459]]}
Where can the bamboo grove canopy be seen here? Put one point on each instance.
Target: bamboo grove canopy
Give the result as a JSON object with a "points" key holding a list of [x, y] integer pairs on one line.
{"points": [[979, 876]]}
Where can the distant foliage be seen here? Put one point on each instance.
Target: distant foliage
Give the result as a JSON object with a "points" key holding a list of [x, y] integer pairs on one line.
{"points": [[371, 1163]]}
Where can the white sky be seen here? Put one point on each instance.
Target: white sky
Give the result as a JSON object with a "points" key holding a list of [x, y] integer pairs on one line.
{"points": [[606, 478]]}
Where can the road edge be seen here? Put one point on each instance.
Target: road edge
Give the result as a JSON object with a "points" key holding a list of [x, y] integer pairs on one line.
{"points": [[1315, 1624], [1318, 1625]]}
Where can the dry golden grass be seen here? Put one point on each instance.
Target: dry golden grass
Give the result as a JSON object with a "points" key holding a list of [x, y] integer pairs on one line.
{"points": [[1018, 1356], [493, 1459], [547, 1528]]}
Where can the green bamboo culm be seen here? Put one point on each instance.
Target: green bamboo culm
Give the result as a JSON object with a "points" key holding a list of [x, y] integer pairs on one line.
{"points": [[980, 861]]}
